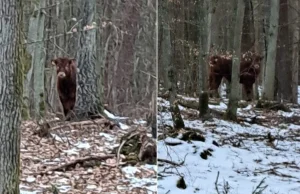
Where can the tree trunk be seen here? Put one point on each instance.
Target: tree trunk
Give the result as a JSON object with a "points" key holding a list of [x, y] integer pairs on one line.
{"points": [[88, 99], [175, 111], [164, 53], [11, 92], [234, 85], [36, 33], [248, 28], [268, 93], [203, 67], [295, 53], [284, 55]]}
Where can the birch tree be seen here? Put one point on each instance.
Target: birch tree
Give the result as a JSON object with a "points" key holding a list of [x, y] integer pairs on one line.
{"points": [[268, 93], [234, 85], [11, 92]]}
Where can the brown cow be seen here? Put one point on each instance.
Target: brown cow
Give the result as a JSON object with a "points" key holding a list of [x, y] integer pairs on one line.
{"points": [[66, 82], [220, 66]]}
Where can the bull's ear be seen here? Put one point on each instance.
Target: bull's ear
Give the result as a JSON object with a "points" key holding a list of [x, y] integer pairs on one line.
{"points": [[53, 62]]}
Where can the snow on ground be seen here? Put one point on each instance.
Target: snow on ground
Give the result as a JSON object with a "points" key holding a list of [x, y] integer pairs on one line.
{"points": [[70, 143], [243, 159]]}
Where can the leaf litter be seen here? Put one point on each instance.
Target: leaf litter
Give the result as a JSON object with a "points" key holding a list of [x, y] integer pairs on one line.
{"points": [[43, 160]]}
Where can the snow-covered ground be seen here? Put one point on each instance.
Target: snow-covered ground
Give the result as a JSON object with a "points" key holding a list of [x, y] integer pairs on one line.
{"points": [[243, 158]]}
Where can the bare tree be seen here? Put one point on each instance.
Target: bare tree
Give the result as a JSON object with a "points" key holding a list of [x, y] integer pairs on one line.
{"points": [[234, 85], [269, 82], [11, 93]]}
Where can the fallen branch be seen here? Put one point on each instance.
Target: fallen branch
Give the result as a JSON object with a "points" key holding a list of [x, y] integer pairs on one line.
{"points": [[83, 123], [170, 162], [71, 164], [216, 183]]}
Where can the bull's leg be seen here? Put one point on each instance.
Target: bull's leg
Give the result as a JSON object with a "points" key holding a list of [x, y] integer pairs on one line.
{"points": [[247, 92], [214, 85]]}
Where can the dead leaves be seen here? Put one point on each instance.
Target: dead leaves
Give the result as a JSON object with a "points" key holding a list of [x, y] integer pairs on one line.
{"points": [[75, 158]]}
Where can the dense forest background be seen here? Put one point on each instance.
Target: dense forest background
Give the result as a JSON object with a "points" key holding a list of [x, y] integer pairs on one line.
{"points": [[121, 36], [186, 27]]}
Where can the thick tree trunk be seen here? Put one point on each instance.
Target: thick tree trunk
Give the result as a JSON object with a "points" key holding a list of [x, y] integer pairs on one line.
{"points": [[88, 99], [268, 93], [11, 91], [234, 85]]}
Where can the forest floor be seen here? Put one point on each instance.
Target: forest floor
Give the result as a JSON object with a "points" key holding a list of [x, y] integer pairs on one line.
{"points": [[91, 169], [234, 158]]}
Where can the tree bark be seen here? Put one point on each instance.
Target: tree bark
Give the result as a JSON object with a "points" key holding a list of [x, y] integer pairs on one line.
{"points": [[88, 99], [283, 87], [11, 92], [203, 67], [295, 53], [164, 49], [36, 33], [234, 85], [268, 93], [248, 35]]}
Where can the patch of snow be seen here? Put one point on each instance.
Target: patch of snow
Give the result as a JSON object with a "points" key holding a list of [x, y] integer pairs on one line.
{"points": [[137, 122], [149, 183], [63, 180], [110, 115], [285, 114], [72, 151], [294, 127], [123, 126], [58, 138], [30, 179], [107, 136], [64, 188], [85, 145], [222, 106], [173, 140], [28, 192], [91, 187]]}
